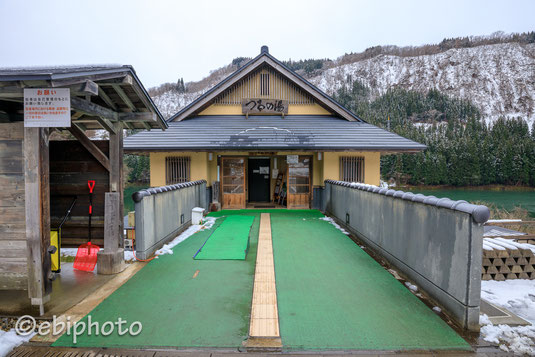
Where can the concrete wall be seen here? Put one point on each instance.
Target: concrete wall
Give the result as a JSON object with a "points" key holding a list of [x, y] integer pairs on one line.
{"points": [[163, 212], [436, 243]]}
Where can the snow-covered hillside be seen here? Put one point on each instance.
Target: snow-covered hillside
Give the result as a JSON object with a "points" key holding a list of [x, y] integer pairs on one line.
{"points": [[499, 79]]}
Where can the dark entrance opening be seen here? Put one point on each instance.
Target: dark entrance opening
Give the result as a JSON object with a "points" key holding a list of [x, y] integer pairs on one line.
{"points": [[258, 174]]}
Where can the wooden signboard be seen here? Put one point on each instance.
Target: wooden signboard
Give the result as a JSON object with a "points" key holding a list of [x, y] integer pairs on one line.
{"points": [[264, 106]]}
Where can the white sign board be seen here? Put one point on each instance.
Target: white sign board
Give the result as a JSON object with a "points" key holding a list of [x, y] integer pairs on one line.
{"points": [[47, 107], [292, 159]]}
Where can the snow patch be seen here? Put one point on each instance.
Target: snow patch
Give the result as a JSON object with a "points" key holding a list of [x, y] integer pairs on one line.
{"points": [[517, 296], [194, 228], [336, 225], [437, 309], [411, 286], [9, 340], [519, 340]]}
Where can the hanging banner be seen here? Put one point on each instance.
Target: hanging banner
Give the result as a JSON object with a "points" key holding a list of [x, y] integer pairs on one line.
{"points": [[47, 107]]}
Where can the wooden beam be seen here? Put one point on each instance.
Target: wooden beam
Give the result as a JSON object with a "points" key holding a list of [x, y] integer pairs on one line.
{"points": [[128, 80], [137, 117], [80, 126], [92, 109], [129, 125], [106, 124], [85, 88], [89, 88], [106, 99], [146, 125], [124, 97], [91, 147]]}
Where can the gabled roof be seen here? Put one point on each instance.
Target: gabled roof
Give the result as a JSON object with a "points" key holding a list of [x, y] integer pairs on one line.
{"points": [[119, 89], [264, 58], [270, 133]]}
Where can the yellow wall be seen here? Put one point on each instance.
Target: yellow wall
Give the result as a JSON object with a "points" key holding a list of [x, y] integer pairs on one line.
{"points": [[293, 109], [372, 166], [199, 166], [326, 168]]}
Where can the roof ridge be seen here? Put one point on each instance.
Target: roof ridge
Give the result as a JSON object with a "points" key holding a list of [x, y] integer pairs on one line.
{"points": [[244, 70]]}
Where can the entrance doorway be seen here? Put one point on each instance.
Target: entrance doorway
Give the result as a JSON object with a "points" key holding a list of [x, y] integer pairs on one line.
{"points": [[259, 179]]}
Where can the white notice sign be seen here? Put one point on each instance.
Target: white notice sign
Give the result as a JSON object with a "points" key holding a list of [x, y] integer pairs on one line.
{"points": [[292, 159], [47, 107]]}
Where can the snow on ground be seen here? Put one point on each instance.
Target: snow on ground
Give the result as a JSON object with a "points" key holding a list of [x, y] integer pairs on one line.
{"points": [[411, 286], [194, 228], [337, 226], [166, 249], [517, 296], [9, 340]]}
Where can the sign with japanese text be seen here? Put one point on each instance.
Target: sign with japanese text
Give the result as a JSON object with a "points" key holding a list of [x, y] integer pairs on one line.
{"points": [[264, 106], [292, 159], [47, 107]]}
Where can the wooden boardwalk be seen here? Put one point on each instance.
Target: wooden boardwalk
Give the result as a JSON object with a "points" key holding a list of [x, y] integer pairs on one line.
{"points": [[264, 312]]}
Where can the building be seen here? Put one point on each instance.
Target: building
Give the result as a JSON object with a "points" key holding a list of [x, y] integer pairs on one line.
{"points": [[45, 181], [262, 132]]}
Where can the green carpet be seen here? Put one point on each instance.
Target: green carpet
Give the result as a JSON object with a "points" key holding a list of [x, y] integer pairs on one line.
{"points": [[332, 295], [229, 241], [176, 309]]}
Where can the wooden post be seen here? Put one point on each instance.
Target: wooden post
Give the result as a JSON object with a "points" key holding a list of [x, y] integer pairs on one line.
{"points": [[37, 209], [116, 172], [111, 260]]}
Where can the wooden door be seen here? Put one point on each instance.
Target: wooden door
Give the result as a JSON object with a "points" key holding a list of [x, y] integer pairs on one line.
{"points": [[233, 182], [299, 183]]}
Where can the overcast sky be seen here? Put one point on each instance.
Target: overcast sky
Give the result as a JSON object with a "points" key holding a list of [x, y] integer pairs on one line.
{"points": [[165, 40]]}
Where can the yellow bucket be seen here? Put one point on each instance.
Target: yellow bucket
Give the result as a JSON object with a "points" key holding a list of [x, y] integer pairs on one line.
{"points": [[55, 241]]}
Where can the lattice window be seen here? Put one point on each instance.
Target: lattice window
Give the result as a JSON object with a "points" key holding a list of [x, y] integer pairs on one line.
{"points": [[264, 83], [177, 169], [352, 168]]}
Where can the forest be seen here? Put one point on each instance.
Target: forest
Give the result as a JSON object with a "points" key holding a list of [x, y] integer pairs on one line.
{"points": [[462, 150]]}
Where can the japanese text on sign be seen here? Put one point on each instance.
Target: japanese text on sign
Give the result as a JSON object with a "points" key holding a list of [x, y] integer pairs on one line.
{"points": [[264, 106], [47, 107]]}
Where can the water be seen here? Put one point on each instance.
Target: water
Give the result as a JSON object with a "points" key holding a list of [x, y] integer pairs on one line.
{"points": [[127, 193], [503, 199]]}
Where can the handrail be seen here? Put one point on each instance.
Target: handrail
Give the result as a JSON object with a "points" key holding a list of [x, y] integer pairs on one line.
{"points": [[480, 213], [138, 196]]}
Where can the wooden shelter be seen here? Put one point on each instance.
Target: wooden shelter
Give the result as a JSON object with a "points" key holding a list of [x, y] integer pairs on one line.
{"points": [[40, 177]]}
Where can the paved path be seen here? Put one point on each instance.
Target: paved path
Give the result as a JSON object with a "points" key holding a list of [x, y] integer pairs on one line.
{"points": [[264, 315]]}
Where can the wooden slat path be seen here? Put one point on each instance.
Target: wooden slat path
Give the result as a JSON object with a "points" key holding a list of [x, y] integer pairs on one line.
{"points": [[264, 313]]}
